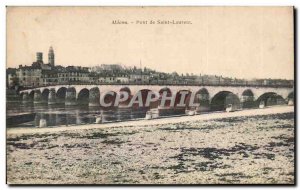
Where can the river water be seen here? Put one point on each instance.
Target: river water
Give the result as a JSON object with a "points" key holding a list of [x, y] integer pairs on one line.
{"points": [[29, 114]]}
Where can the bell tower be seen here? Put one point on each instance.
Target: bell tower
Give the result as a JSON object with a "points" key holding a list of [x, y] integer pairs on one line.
{"points": [[51, 56]]}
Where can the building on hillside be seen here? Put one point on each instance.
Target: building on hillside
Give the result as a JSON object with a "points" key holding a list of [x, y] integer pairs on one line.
{"points": [[73, 75], [29, 76], [93, 78], [139, 78], [106, 79], [122, 78], [49, 77], [11, 77], [38, 74], [110, 67]]}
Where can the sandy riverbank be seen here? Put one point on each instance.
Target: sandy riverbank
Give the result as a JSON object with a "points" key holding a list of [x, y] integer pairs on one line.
{"points": [[169, 120], [252, 146]]}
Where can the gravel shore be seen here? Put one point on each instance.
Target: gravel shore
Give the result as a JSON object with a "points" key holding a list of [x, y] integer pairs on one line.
{"points": [[236, 148]]}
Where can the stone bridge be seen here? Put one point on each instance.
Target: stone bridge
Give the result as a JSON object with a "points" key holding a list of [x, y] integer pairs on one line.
{"points": [[209, 97]]}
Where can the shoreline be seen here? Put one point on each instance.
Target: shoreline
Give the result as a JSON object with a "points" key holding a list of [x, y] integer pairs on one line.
{"points": [[250, 146], [168, 120]]}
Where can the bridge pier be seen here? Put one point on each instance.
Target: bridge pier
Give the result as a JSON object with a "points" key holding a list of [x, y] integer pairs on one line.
{"points": [[248, 102], [43, 123], [51, 120], [37, 98], [203, 108], [70, 97], [202, 98], [94, 97], [204, 105], [124, 112], [52, 97], [291, 101], [78, 118], [262, 104], [98, 119], [26, 98], [166, 110]]}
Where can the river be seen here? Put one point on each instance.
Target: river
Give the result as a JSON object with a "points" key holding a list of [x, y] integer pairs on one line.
{"points": [[29, 114]]}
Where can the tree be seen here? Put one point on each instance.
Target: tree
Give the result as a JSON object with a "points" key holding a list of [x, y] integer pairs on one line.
{"points": [[175, 74]]}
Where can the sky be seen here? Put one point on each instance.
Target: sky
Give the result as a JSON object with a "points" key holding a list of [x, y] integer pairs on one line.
{"points": [[241, 42]]}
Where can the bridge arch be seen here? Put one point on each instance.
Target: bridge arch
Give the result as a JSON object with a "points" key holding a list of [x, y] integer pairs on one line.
{"points": [[270, 99], [291, 95], [25, 97], [45, 94], [37, 96], [179, 95], [178, 109], [248, 99], [224, 98], [126, 89], [144, 94], [168, 90], [202, 97], [83, 97], [31, 94], [61, 94], [22, 94], [169, 94], [109, 97]]}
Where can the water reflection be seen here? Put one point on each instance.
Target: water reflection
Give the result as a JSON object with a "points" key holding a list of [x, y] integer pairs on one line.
{"points": [[59, 114]]}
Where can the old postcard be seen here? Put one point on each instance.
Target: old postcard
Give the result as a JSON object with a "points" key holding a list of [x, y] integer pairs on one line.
{"points": [[150, 95]]}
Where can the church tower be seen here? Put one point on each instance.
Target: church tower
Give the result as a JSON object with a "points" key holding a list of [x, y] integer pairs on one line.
{"points": [[51, 56]]}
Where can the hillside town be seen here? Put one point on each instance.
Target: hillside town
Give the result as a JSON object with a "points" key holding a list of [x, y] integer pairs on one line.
{"points": [[40, 74]]}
